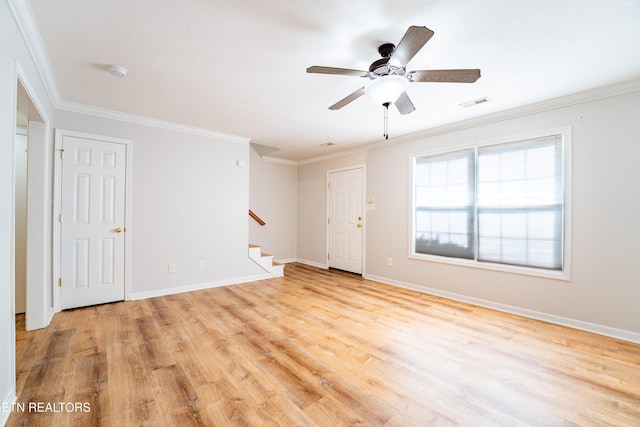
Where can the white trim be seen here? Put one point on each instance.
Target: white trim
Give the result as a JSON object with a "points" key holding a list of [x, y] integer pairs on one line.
{"points": [[146, 121], [8, 400], [128, 222], [51, 312], [285, 260], [12, 353], [55, 230], [57, 206], [279, 161], [622, 334], [23, 17], [565, 274], [561, 130], [313, 263], [198, 286], [38, 245], [539, 107]]}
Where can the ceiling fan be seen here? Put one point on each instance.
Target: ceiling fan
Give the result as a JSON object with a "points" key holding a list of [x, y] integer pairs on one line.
{"points": [[388, 76]]}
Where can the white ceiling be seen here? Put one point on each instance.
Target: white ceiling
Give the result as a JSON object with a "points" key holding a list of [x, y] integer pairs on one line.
{"points": [[238, 66]]}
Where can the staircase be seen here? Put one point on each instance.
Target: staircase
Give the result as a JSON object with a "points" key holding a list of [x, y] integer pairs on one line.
{"points": [[265, 261]]}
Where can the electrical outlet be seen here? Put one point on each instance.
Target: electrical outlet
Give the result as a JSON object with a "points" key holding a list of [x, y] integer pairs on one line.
{"points": [[201, 264], [389, 261], [172, 268]]}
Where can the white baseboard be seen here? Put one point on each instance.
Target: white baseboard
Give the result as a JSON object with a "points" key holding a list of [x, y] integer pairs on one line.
{"points": [[198, 286], [285, 260], [7, 402], [313, 263], [532, 314]]}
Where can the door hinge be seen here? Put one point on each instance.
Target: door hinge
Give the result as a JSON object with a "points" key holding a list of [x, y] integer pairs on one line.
{"points": [[60, 282], [328, 256], [62, 153], [60, 218], [328, 186], [329, 221]]}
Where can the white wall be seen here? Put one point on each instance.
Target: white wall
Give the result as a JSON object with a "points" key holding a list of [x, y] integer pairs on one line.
{"points": [[274, 198], [312, 206], [605, 285], [189, 203], [13, 54]]}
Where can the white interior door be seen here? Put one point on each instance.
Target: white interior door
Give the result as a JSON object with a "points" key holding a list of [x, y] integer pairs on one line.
{"points": [[92, 229], [345, 223]]}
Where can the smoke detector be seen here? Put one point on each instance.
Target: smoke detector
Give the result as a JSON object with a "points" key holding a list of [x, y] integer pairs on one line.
{"points": [[117, 70]]}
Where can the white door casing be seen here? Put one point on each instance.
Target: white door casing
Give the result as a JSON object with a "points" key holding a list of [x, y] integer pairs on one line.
{"points": [[346, 219], [92, 258]]}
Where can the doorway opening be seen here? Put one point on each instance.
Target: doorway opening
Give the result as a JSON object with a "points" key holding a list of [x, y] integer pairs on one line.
{"points": [[31, 229]]}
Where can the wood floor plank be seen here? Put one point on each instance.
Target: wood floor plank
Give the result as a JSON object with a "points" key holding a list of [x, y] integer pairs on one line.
{"points": [[320, 348]]}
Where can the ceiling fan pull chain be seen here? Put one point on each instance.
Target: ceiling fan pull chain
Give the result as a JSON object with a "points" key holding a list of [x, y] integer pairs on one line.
{"points": [[386, 120]]}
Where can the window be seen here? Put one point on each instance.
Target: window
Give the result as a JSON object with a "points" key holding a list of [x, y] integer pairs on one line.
{"points": [[500, 205]]}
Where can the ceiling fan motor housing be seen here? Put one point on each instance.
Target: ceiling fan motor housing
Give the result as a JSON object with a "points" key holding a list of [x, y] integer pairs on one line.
{"points": [[381, 66]]}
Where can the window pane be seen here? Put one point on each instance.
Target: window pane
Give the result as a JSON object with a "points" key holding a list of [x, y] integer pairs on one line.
{"points": [[537, 166], [511, 165], [514, 226], [444, 205], [545, 252], [520, 206], [542, 225]]}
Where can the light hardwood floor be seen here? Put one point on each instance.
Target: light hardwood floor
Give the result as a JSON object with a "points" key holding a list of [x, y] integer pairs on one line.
{"points": [[322, 348]]}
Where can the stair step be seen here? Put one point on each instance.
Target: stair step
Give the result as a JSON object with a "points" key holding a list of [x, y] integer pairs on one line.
{"points": [[265, 261]]}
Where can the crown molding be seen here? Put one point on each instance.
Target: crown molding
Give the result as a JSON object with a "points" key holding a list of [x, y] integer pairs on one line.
{"points": [[343, 153], [146, 121], [279, 161], [23, 17], [26, 24], [526, 110], [539, 107]]}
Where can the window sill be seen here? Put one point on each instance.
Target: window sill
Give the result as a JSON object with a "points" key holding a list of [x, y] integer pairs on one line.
{"points": [[527, 271]]}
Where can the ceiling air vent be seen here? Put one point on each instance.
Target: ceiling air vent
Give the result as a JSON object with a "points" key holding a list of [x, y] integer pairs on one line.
{"points": [[474, 102]]}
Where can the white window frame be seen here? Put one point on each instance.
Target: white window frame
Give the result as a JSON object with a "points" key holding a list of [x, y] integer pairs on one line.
{"points": [[565, 273]]}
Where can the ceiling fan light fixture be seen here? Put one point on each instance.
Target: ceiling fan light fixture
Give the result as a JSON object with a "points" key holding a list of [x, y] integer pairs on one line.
{"points": [[386, 89]]}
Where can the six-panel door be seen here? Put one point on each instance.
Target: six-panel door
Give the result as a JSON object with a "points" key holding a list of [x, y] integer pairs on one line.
{"points": [[346, 220], [92, 229]]}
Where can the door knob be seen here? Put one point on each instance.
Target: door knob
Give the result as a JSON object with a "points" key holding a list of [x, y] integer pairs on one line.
{"points": [[359, 225], [118, 229]]}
